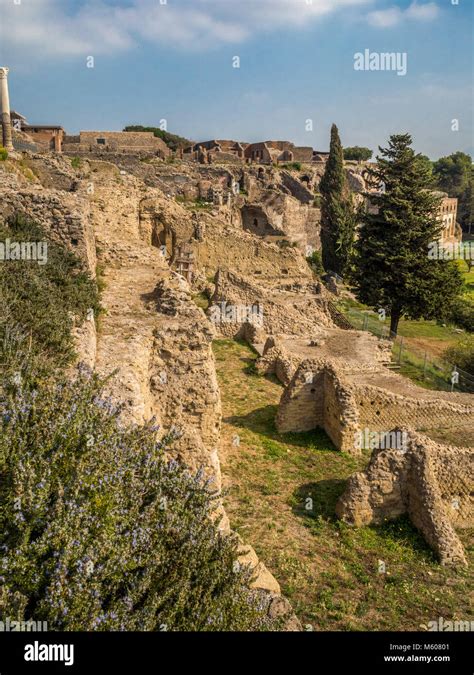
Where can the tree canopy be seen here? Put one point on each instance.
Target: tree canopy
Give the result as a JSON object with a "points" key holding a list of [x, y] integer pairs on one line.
{"points": [[358, 154], [392, 267]]}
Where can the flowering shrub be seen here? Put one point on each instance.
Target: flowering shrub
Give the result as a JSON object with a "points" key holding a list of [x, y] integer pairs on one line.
{"points": [[39, 303], [98, 531]]}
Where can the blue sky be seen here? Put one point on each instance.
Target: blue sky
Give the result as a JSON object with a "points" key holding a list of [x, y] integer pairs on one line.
{"points": [[173, 61]]}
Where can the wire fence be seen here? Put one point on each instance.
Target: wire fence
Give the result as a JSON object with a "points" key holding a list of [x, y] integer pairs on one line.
{"points": [[419, 365]]}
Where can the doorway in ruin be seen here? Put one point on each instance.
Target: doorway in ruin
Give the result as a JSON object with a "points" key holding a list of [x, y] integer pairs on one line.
{"points": [[164, 238]]}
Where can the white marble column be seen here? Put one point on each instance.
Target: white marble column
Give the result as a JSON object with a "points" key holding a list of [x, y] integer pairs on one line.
{"points": [[5, 103]]}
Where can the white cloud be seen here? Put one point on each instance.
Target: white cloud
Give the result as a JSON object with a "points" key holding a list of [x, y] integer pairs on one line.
{"points": [[426, 12], [49, 27], [393, 16], [385, 18]]}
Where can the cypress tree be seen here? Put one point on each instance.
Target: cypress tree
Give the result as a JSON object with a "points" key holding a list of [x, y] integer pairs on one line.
{"points": [[393, 268], [337, 211]]}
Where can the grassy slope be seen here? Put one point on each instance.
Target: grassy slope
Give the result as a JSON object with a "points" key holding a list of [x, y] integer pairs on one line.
{"points": [[327, 569]]}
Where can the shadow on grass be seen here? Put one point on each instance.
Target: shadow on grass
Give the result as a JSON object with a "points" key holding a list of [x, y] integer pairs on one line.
{"points": [[401, 532], [314, 500], [262, 421], [251, 369]]}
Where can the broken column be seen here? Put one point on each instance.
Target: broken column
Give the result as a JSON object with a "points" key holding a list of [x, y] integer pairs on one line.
{"points": [[5, 103]]}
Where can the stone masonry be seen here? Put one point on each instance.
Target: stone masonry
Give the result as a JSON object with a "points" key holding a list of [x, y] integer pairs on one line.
{"points": [[430, 482]]}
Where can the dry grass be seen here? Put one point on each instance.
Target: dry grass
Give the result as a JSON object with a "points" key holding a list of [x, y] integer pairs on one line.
{"points": [[328, 570]]}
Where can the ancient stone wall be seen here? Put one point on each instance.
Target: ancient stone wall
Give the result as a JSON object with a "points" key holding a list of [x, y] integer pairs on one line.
{"points": [[318, 396], [341, 417], [66, 216], [116, 141], [298, 221], [281, 309], [382, 409], [430, 482]]}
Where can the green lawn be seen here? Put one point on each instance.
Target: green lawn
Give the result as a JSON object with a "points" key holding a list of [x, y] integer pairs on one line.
{"points": [[281, 492]]}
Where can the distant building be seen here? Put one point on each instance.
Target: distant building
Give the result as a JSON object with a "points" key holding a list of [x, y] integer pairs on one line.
{"points": [[320, 156], [264, 152], [43, 136], [274, 152], [17, 120], [46, 137], [207, 152], [448, 210], [127, 142], [447, 214]]}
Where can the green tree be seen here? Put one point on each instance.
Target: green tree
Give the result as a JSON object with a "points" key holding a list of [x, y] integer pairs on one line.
{"points": [[424, 159], [338, 216], [392, 267], [466, 205], [358, 154], [453, 173]]}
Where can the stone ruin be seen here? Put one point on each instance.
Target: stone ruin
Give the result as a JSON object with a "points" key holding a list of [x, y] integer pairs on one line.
{"points": [[344, 397], [430, 482], [154, 339], [160, 341]]}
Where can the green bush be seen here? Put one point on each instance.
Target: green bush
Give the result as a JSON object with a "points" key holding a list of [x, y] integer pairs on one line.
{"points": [[462, 314], [100, 532], [315, 261], [292, 166], [3, 154], [41, 302], [462, 354], [173, 141]]}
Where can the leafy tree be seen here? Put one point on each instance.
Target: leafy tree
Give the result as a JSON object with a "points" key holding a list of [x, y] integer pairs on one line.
{"points": [[100, 531], [462, 313], [453, 173], [173, 141], [466, 205], [338, 216], [358, 154], [392, 267]]}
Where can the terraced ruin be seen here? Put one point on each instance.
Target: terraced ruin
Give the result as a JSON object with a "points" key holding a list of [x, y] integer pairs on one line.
{"points": [[171, 242]]}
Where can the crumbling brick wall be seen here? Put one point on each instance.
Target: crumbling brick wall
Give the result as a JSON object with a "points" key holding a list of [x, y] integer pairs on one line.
{"points": [[383, 409], [318, 396], [430, 482], [64, 215]]}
